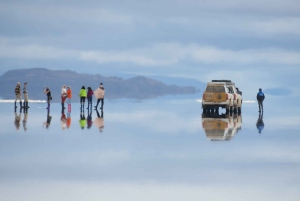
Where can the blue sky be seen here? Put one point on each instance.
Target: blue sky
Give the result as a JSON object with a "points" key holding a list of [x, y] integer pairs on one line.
{"points": [[255, 43]]}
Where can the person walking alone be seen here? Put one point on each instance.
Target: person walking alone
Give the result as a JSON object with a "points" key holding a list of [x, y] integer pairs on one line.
{"points": [[260, 98], [99, 94], [18, 94], [90, 97], [82, 95], [25, 93]]}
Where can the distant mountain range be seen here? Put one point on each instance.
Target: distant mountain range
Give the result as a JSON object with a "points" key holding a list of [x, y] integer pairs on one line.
{"points": [[138, 87]]}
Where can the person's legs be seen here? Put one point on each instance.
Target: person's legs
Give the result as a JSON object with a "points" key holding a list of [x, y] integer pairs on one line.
{"points": [[102, 103], [20, 98], [16, 98], [98, 100], [26, 101], [259, 105], [82, 101]]}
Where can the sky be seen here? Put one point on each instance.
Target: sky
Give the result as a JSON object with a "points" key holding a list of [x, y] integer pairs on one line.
{"points": [[254, 43]]}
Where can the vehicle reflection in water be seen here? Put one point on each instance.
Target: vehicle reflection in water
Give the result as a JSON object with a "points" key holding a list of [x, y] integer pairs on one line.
{"points": [[219, 127]]}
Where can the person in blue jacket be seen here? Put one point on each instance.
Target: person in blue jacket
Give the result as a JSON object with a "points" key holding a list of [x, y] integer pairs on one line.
{"points": [[260, 98]]}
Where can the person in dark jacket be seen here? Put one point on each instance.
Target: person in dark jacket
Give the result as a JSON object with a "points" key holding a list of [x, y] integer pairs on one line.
{"points": [[260, 98], [49, 97], [18, 94], [90, 97]]}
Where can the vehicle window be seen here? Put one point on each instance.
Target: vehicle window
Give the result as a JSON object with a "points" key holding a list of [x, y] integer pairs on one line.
{"points": [[230, 90], [219, 89], [209, 89]]}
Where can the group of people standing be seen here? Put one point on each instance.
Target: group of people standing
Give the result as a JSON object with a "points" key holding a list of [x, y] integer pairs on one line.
{"points": [[19, 95], [88, 94], [66, 94]]}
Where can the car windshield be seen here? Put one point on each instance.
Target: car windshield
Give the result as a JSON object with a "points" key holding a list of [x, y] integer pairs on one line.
{"points": [[216, 89]]}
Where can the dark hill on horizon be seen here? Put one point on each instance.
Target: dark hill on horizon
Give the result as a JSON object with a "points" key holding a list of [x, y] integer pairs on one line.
{"points": [[138, 87]]}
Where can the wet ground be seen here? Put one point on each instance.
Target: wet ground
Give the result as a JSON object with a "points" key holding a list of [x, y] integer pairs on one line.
{"points": [[159, 149]]}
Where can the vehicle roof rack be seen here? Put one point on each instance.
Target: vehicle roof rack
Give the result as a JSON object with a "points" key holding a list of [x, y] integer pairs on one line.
{"points": [[221, 80]]}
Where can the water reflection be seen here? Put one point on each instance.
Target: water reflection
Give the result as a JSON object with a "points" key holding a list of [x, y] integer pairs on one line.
{"points": [[99, 121], [219, 127], [260, 123], [18, 118], [89, 118], [82, 120], [48, 120], [25, 111], [69, 119], [63, 120]]}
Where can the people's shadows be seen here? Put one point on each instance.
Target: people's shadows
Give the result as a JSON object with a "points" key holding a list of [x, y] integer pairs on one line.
{"points": [[82, 120], [17, 118], [260, 123], [25, 112], [99, 121], [89, 118], [48, 120]]}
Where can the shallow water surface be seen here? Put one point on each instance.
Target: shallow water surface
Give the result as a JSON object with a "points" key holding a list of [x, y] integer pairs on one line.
{"points": [[149, 150]]}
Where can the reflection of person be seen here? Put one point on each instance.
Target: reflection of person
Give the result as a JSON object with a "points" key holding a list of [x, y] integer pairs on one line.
{"points": [[99, 94], [69, 93], [63, 96], [69, 120], [49, 97], [82, 121], [48, 121], [82, 95], [260, 123], [25, 93], [25, 119], [90, 97], [63, 121], [260, 98], [18, 119], [99, 121], [89, 119], [18, 94]]}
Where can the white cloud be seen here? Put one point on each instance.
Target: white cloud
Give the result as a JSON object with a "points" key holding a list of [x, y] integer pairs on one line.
{"points": [[160, 54]]}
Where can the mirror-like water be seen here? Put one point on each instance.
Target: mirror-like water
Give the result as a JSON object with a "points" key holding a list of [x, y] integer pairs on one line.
{"points": [[149, 150]]}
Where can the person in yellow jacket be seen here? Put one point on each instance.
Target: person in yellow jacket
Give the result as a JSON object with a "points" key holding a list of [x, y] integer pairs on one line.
{"points": [[82, 95]]}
